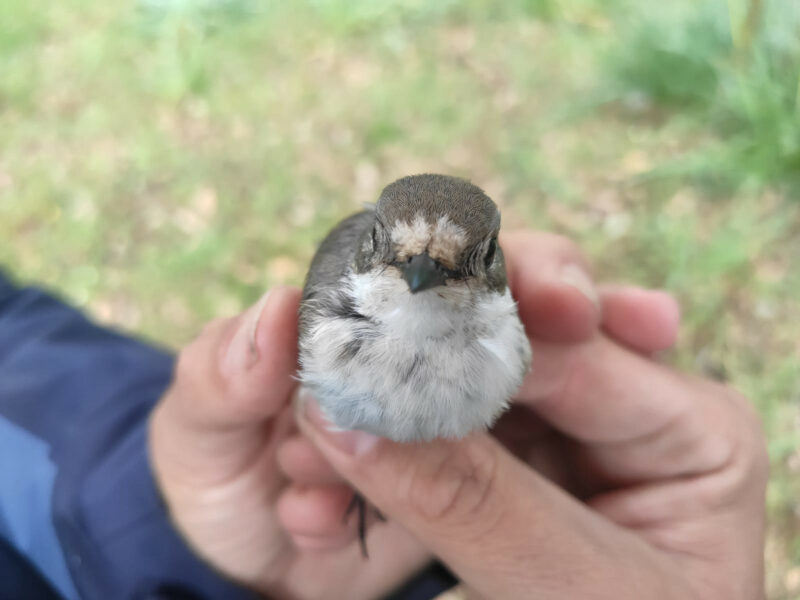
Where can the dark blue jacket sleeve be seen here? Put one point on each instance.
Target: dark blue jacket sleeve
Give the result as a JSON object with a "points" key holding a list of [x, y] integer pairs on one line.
{"points": [[77, 496]]}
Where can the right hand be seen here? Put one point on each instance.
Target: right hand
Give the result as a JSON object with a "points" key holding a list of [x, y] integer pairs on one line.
{"points": [[665, 472]]}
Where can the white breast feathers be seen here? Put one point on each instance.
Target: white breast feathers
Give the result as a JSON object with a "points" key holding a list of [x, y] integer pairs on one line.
{"points": [[439, 363]]}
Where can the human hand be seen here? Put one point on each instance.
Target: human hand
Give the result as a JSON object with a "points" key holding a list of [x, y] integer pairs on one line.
{"points": [[648, 483], [213, 448]]}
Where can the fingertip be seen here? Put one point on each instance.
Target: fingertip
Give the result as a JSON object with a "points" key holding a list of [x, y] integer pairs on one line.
{"points": [[334, 443], [557, 312], [670, 311], [646, 320], [275, 336], [550, 280], [260, 357], [671, 307], [315, 515]]}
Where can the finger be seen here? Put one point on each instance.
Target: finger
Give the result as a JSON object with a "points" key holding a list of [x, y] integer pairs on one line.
{"points": [[718, 517], [301, 462], [239, 371], [315, 516], [644, 320], [490, 518], [549, 278], [215, 418], [543, 448], [640, 420], [394, 557]]}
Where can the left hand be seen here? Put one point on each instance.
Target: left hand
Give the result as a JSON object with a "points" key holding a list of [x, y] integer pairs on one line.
{"points": [[214, 440]]}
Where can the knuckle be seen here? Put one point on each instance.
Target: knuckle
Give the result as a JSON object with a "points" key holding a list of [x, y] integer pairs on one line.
{"points": [[747, 469], [456, 488]]}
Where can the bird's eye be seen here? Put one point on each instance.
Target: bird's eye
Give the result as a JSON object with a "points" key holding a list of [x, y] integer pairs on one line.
{"points": [[490, 252], [374, 238]]}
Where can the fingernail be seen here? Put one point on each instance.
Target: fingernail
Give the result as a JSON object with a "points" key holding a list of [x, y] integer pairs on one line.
{"points": [[242, 351], [352, 442], [575, 276]]}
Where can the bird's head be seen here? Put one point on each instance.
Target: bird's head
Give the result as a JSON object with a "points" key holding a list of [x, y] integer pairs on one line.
{"points": [[435, 230]]}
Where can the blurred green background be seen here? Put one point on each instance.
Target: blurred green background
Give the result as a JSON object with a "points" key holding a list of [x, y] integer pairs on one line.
{"points": [[163, 162]]}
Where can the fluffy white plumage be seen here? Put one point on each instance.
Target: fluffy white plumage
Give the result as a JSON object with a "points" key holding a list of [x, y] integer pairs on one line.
{"points": [[439, 363]]}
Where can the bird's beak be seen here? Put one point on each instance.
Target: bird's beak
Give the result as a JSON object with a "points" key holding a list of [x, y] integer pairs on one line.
{"points": [[421, 272]]}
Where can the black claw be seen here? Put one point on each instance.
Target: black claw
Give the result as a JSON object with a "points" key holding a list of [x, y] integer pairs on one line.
{"points": [[358, 503]]}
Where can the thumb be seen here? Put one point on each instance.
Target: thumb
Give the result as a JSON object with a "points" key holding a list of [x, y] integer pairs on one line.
{"points": [[238, 371], [501, 527], [213, 437], [235, 377]]}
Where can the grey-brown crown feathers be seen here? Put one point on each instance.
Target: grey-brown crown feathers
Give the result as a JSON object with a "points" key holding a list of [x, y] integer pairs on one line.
{"points": [[436, 196]]}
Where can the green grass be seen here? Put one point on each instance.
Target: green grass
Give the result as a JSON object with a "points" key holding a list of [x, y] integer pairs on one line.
{"points": [[735, 65], [163, 162]]}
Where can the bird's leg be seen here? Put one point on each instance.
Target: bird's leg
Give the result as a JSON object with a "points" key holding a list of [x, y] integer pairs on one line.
{"points": [[358, 503]]}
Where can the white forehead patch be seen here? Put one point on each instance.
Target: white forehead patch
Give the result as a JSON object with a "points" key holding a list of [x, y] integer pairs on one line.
{"points": [[412, 238], [444, 241]]}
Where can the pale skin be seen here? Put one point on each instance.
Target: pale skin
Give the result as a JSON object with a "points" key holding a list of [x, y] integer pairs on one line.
{"points": [[612, 477]]}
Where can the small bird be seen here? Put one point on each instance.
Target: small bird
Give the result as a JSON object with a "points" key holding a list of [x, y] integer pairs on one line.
{"points": [[407, 327]]}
